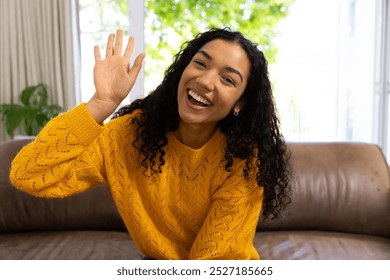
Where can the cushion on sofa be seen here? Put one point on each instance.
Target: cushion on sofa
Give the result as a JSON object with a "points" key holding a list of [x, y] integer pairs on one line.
{"points": [[321, 245], [68, 245]]}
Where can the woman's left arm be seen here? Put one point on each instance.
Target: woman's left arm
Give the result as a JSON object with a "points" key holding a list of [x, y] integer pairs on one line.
{"points": [[230, 225]]}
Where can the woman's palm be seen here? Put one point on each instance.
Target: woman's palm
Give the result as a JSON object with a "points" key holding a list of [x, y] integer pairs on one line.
{"points": [[113, 76]]}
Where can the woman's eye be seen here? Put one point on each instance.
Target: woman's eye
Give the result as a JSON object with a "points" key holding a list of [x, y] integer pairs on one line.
{"points": [[200, 63], [228, 80]]}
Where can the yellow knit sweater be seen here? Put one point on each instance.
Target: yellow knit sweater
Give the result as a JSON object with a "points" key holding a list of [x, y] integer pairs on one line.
{"points": [[194, 209]]}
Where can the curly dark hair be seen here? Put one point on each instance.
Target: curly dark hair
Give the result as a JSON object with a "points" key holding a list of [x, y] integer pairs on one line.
{"points": [[254, 132]]}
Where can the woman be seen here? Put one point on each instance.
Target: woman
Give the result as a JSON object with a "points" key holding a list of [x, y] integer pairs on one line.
{"points": [[190, 166]]}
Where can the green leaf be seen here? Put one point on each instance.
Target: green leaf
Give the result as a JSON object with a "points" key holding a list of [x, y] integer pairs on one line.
{"points": [[54, 110], [32, 127], [42, 119], [41, 91], [36, 96], [26, 95], [3, 108], [30, 113], [14, 115]]}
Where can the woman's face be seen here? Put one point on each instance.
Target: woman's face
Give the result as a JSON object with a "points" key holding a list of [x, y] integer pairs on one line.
{"points": [[212, 82]]}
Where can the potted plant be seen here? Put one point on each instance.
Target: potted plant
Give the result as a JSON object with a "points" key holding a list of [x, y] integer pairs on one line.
{"points": [[32, 114]]}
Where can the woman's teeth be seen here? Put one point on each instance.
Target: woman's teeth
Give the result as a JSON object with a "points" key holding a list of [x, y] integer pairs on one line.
{"points": [[199, 98]]}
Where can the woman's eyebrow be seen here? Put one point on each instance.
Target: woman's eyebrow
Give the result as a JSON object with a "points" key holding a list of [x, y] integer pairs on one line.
{"points": [[228, 68]]}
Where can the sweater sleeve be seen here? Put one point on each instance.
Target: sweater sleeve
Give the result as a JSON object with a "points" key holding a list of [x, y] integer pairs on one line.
{"points": [[229, 228], [63, 160]]}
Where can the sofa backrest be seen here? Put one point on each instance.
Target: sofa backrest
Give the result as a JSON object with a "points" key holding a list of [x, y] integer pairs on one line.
{"points": [[20, 211], [341, 187]]}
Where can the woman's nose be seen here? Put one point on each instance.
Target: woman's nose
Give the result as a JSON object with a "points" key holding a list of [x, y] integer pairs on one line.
{"points": [[207, 80]]}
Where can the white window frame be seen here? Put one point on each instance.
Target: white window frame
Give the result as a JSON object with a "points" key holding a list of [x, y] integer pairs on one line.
{"points": [[382, 77], [136, 11]]}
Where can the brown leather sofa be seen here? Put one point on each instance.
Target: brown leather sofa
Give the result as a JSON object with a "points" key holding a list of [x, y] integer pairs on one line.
{"points": [[340, 210]]}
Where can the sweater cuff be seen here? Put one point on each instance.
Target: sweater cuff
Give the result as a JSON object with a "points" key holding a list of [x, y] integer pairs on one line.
{"points": [[82, 125]]}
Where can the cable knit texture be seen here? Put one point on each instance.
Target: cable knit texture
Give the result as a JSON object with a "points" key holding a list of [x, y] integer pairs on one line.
{"points": [[193, 209]]}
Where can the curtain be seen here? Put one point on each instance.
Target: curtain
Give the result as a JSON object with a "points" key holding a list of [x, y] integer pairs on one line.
{"points": [[39, 44]]}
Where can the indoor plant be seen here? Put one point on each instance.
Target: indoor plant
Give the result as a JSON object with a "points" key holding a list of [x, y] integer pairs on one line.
{"points": [[33, 112]]}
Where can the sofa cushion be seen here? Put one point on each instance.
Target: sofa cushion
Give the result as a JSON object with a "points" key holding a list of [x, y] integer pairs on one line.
{"points": [[320, 245], [68, 245]]}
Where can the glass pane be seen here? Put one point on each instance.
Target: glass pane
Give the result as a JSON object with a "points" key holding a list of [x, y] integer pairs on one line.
{"points": [[97, 20], [323, 76]]}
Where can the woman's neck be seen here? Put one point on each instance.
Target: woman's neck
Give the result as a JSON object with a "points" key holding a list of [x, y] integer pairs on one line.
{"points": [[194, 136]]}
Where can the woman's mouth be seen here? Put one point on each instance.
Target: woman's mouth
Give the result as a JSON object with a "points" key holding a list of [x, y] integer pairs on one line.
{"points": [[197, 99]]}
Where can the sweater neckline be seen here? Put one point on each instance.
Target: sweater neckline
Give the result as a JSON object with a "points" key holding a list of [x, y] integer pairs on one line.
{"points": [[215, 142]]}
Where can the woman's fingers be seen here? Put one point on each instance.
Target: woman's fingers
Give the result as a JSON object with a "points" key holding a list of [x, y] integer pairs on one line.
{"points": [[118, 42], [115, 42], [134, 70], [110, 44], [129, 48], [96, 51], [114, 48]]}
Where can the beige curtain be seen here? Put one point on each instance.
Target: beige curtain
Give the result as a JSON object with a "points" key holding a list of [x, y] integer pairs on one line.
{"points": [[39, 44]]}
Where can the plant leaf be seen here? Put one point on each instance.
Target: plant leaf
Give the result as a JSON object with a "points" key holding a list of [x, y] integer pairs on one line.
{"points": [[4, 108], [29, 113], [42, 119], [26, 95], [54, 110], [35, 96], [13, 117], [41, 91]]}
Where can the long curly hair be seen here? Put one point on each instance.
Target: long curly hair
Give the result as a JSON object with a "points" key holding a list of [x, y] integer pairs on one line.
{"points": [[253, 133]]}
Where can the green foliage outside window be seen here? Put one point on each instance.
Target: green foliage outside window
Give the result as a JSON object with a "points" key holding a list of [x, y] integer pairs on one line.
{"points": [[183, 19], [256, 19], [169, 23]]}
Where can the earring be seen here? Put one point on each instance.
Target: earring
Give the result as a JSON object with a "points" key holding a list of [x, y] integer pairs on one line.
{"points": [[236, 111]]}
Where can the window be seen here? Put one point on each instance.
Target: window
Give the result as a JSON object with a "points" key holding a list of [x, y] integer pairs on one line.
{"points": [[97, 20], [323, 77], [331, 75]]}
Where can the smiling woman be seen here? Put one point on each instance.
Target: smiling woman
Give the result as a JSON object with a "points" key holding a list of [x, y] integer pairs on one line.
{"points": [[209, 88], [191, 166]]}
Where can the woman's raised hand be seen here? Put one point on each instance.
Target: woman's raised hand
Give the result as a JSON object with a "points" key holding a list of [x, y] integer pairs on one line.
{"points": [[114, 77]]}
